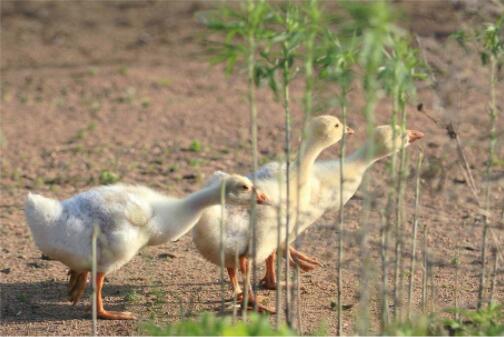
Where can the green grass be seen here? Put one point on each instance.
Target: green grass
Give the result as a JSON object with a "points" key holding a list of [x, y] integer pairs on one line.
{"points": [[131, 296], [164, 82], [158, 296], [195, 146], [123, 70], [195, 162], [146, 102], [108, 177], [488, 321], [22, 297], [208, 324], [82, 133]]}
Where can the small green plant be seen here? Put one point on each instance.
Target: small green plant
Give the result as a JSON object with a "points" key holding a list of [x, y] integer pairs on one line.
{"points": [[123, 70], [82, 133], [195, 146], [208, 324], [488, 321], [146, 102], [92, 71], [164, 82], [158, 296], [22, 297], [195, 162], [131, 296], [108, 177], [489, 42]]}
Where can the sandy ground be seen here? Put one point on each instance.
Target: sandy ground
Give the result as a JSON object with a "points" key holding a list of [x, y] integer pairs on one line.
{"points": [[127, 87]]}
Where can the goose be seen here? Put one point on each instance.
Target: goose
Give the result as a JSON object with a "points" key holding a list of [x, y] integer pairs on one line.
{"points": [[322, 132], [386, 140], [128, 217]]}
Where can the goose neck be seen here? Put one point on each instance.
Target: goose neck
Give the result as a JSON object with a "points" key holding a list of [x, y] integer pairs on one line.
{"points": [[308, 154], [204, 198]]}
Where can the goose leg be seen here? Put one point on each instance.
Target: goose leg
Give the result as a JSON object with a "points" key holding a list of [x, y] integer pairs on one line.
{"points": [[252, 299], [73, 279], [102, 313], [269, 279], [234, 280], [76, 285], [306, 263]]}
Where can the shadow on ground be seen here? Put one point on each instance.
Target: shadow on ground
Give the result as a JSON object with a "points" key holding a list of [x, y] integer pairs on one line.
{"points": [[41, 301]]}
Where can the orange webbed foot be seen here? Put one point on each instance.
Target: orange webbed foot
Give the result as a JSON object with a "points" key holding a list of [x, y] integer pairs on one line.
{"points": [[116, 315], [305, 262]]}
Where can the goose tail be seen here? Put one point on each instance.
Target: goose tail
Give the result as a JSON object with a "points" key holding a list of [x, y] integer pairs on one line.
{"points": [[41, 214]]}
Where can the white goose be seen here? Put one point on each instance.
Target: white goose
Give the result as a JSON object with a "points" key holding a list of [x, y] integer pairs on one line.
{"points": [[322, 132], [326, 180], [128, 218]]}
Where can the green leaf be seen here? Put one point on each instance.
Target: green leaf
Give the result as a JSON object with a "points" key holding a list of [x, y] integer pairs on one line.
{"points": [[484, 58]]}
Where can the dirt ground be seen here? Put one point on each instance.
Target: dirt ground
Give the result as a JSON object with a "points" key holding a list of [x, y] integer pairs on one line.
{"points": [[126, 87]]}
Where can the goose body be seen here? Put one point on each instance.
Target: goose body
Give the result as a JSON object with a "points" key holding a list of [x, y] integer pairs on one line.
{"points": [[322, 132], [324, 194], [127, 217]]}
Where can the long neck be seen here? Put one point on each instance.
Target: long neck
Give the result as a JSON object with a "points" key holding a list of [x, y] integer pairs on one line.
{"points": [[204, 198], [177, 217], [355, 165], [307, 156], [364, 156]]}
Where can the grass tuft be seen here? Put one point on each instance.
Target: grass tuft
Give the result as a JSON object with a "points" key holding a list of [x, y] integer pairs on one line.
{"points": [[195, 146], [108, 177], [208, 324]]}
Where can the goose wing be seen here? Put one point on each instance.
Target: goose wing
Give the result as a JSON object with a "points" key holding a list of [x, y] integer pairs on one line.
{"points": [[126, 204], [269, 171]]}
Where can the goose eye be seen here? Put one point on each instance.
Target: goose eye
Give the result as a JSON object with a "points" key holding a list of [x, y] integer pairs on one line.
{"points": [[336, 126], [245, 187]]}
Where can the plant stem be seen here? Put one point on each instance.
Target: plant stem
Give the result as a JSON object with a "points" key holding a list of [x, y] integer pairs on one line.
{"points": [[430, 275], [491, 152], [363, 317], [415, 227], [287, 179], [457, 258], [278, 260], [341, 218], [425, 269], [399, 211], [481, 290], [384, 257], [94, 271], [253, 132], [494, 276], [312, 7], [221, 244], [235, 294]]}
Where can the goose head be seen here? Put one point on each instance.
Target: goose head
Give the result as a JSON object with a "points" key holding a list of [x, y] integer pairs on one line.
{"points": [[388, 139], [239, 190], [325, 130]]}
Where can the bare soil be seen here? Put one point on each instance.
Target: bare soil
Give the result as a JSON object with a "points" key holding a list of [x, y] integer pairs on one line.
{"points": [[127, 87]]}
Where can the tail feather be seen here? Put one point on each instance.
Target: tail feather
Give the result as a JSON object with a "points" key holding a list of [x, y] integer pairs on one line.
{"points": [[41, 212]]}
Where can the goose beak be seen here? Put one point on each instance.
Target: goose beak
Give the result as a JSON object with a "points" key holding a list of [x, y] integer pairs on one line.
{"points": [[349, 131], [414, 135], [263, 199]]}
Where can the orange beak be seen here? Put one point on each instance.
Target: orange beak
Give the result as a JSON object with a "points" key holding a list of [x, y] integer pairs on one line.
{"points": [[262, 198], [349, 131], [414, 135]]}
